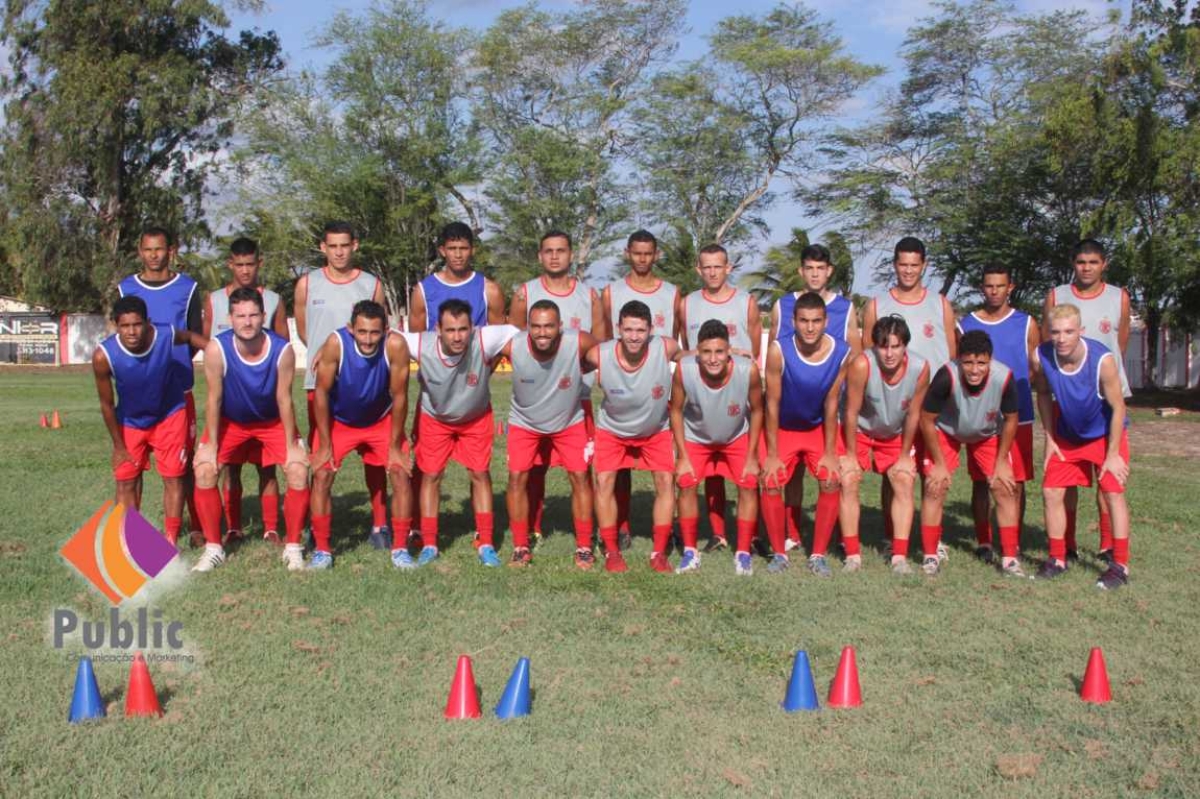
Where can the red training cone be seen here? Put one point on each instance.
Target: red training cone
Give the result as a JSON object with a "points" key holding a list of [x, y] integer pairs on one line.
{"points": [[844, 690], [1095, 679], [55, 421], [140, 698], [463, 702], [44, 422]]}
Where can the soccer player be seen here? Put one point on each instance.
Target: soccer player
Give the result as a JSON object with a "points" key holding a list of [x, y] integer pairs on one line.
{"points": [[244, 263], [249, 372], [1014, 336], [885, 386], [458, 280], [454, 419], [716, 420], [324, 300], [804, 381], [1104, 311], [973, 401], [150, 415], [361, 405], [719, 299], [545, 419], [1082, 408], [173, 299], [632, 431]]}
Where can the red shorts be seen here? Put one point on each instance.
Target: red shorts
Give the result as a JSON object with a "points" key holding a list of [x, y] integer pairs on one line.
{"points": [[1080, 461], [168, 441], [719, 460], [1022, 449], [260, 443], [652, 453], [981, 458], [567, 448], [797, 444], [549, 457], [437, 443], [886, 452], [371, 442]]}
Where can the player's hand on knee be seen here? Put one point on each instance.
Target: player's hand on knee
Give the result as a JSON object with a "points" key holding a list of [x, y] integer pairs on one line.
{"points": [[1117, 467], [121, 456], [751, 468], [829, 472], [850, 470], [400, 459], [1002, 481], [1052, 451], [773, 472], [320, 457], [296, 453], [685, 473], [206, 455]]}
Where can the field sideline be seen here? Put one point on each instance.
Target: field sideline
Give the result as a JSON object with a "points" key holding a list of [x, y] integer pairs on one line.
{"points": [[644, 684]]}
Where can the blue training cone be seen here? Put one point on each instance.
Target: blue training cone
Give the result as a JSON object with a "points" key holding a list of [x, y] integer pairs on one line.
{"points": [[514, 702], [86, 703], [801, 693]]}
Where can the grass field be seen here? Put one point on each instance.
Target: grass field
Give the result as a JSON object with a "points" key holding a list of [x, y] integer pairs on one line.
{"points": [[645, 684]]}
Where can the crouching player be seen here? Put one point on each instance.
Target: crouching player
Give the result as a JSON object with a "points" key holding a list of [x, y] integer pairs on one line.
{"points": [[885, 387], [360, 404], [1084, 433], [249, 371], [973, 401], [716, 420]]}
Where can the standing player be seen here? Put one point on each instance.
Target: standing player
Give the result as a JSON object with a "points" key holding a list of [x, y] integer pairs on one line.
{"points": [[244, 263], [1014, 336], [545, 420], [719, 299], [716, 420], [971, 401], [804, 381], [150, 415], [1104, 311], [456, 280], [455, 419], [173, 299], [885, 386], [361, 405], [632, 431], [249, 372], [324, 301], [1084, 422]]}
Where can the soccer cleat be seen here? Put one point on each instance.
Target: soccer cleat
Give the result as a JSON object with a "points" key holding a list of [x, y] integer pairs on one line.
{"points": [[1050, 569], [1105, 556], [791, 544], [272, 537], [487, 555], [232, 537], [428, 555], [624, 540], [715, 544], [402, 560], [660, 564], [584, 559], [293, 556], [778, 564], [614, 562], [931, 566], [943, 554], [1072, 556], [743, 564], [1114, 578], [521, 556], [320, 561], [901, 567], [1012, 568], [986, 554], [380, 538], [819, 566], [690, 561], [853, 564], [212, 557]]}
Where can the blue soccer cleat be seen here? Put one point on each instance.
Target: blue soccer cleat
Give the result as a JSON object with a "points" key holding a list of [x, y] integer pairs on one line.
{"points": [[487, 555], [689, 562], [402, 560], [778, 564], [743, 564], [320, 560], [428, 555]]}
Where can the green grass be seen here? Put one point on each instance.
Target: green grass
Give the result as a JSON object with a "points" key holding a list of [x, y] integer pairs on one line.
{"points": [[645, 685]]}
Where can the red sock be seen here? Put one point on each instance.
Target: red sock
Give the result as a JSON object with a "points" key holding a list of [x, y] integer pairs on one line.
{"points": [[485, 525], [193, 509], [746, 530], [429, 531], [321, 528], [773, 513], [608, 536], [270, 511], [233, 508], [376, 477], [520, 533], [1106, 536], [714, 498], [900, 547], [852, 544], [826, 518], [662, 537], [623, 495], [689, 530], [794, 522], [583, 533], [537, 496], [295, 508], [401, 527], [983, 532], [208, 508], [1009, 543], [931, 534], [1058, 549], [1120, 547], [1069, 536], [171, 526]]}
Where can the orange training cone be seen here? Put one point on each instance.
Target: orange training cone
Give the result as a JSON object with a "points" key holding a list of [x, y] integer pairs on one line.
{"points": [[1095, 679], [463, 702], [44, 421], [844, 690], [56, 421], [140, 698]]}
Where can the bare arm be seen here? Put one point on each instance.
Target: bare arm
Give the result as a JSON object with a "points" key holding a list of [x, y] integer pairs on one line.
{"points": [[772, 466], [912, 420], [102, 372], [830, 427], [398, 357], [214, 380], [287, 408], [678, 328], [417, 316], [495, 302], [683, 465], [599, 325], [754, 327], [949, 323], [1123, 329], [300, 308], [856, 386], [208, 314], [775, 320], [1110, 385], [756, 420], [197, 341], [326, 374], [279, 324], [868, 327], [606, 308], [518, 309], [1047, 305], [853, 334]]}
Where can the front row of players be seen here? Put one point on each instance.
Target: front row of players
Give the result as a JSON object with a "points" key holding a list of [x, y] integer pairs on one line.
{"points": [[709, 417]]}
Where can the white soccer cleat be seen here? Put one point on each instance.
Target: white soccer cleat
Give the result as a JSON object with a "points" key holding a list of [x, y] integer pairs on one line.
{"points": [[212, 557], [293, 556]]}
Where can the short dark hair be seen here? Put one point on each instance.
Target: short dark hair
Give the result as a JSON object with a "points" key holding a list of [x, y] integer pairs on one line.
{"points": [[909, 244], [1090, 247], [554, 234], [129, 304], [456, 231], [712, 249], [975, 342], [816, 252], [338, 226], [546, 305], [809, 301], [368, 309], [246, 294], [713, 328], [243, 246], [154, 231], [643, 236], [453, 307], [998, 269], [635, 309], [888, 326]]}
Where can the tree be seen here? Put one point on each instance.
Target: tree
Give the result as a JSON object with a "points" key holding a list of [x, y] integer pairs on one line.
{"points": [[780, 272], [116, 113]]}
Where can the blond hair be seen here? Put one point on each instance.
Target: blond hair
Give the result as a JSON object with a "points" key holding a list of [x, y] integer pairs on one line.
{"points": [[1064, 311]]}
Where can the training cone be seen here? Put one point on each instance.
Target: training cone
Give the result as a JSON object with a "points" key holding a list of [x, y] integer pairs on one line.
{"points": [[140, 699], [1095, 680], [844, 690], [55, 421], [44, 421], [514, 702], [801, 693], [86, 702], [464, 701]]}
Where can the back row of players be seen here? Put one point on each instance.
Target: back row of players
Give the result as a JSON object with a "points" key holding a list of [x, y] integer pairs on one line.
{"points": [[917, 388]]}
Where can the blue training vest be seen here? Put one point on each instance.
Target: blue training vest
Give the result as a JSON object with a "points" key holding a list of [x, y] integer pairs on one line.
{"points": [[1083, 413], [802, 401], [248, 390], [837, 315], [1009, 346], [473, 292], [145, 395], [167, 305], [361, 395]]}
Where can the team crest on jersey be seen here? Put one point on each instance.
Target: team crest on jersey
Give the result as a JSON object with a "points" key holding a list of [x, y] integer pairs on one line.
{"points": [[992, 416], [1105, 326], [472, 379], [657, 392], [565, 383], [928, 330], [660, 320], [734, 409], [904, 403], [575, 323], [732, 328]]}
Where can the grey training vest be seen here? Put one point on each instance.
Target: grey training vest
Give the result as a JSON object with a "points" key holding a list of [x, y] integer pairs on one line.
{"points": [[733, 312], [635, 402], [884, 406], [329, 307], [716, 415], [545, 394], [1101, 320], [454, 392], [926, 323], [971, 418]]}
